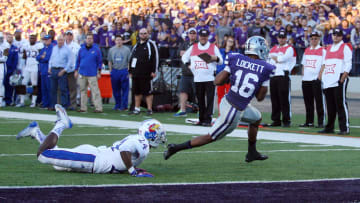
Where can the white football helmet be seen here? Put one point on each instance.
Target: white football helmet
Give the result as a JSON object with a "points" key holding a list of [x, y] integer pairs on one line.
{"points": [[153, 131], [258, 46], [16, 79]]}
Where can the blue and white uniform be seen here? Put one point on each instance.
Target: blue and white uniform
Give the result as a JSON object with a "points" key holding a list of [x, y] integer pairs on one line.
{"points": [[247, 75], [91, 159]]}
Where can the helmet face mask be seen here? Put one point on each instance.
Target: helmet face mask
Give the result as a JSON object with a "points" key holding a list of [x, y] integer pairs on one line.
{"points": [[258, 46], [153, 131], [15, 79]]}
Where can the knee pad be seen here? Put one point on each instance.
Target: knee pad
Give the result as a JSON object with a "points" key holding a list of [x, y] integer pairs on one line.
{"points": [[35, 90], [20, 89]]}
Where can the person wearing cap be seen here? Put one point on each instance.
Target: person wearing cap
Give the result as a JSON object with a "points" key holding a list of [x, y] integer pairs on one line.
{"points": [[60, 62], [88, 72], [311, 86], [283, 56], [203, 58], [118, 58], [30, 71], [334, 75], [11, 64], [144, 62], [70, 73], [43, 58], [4, 52], [212, 35], [186, 84]]}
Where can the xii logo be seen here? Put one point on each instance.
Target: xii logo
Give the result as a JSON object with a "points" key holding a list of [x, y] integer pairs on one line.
{"points": [[310, 63], [200, 65], [330, 69]]}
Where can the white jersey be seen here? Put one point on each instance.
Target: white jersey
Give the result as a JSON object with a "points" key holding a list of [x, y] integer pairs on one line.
{"points": [[32, 51], [3, 47], [74, 47], [20, 46], [109, 159]]}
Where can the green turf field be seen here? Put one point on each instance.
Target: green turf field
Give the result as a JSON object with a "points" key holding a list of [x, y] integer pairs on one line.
{"points": [[220, 161]]}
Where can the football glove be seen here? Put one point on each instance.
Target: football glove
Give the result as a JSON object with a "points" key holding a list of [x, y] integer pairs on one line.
{"points": [[144, 175], [139, 170], [206, 57]]}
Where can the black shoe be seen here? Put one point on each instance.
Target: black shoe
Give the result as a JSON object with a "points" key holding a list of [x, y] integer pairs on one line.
{"points": [[320, 126], [149, 112], [255, 156], [275, 124], [344, 133], [206, 124], [135, 112], [325, 131], [171, 151], [307, 125], [286, 125]]}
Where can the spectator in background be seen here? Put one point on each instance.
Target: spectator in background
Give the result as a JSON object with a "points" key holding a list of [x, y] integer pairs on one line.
{"points": [[70, 73], [212, 29], [118, 58], [229, 47], [11, 63], [126, 32], [355, 42], [222, 30], [52, 34], [88, 71], [274, 32], [186, 85], [144, 62], [163, 41], [60, 61], [203, 58], [103, 33], [43, 58], [346, 29]]}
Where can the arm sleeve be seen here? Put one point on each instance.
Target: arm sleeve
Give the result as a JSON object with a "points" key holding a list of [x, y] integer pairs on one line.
{"points": [[109, 57], [186, 57], [51, 58], [70, 61], [347, 59], [352, 36], [288, 54], [77, 64], [218, 54], [155, 58], [98, 59]]}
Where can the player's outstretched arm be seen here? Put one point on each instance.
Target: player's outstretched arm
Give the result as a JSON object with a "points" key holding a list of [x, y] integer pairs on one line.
{"points": [[221, 78], [260, 95], [126, 157]]}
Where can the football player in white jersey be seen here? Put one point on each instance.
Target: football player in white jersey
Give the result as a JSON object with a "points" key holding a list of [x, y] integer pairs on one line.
{"points": [[4, 50], [20, 43], [124, 155], [30, 71]]}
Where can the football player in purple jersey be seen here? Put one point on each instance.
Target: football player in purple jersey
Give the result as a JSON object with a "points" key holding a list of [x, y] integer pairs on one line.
{"points": [[249, 76]]}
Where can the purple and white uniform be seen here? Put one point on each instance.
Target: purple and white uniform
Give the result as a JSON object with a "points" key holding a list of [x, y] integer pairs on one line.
{"points": [[247, 75]]}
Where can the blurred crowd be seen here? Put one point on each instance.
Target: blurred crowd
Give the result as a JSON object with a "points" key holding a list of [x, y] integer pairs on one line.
{"points": [[168, 22]]}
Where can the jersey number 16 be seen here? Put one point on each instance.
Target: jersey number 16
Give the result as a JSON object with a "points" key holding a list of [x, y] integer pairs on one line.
{"points": [[245, 89]]}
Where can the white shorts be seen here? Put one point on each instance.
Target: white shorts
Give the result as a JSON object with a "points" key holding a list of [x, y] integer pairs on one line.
{"points": [[2, 74], [30, 76], [229, 119], [80, 158]]}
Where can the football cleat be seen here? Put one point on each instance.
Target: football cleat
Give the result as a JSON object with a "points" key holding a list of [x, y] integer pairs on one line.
{"points": [[171, 151], [30, 130], [32, 105], [255, 156], [62, 116]]}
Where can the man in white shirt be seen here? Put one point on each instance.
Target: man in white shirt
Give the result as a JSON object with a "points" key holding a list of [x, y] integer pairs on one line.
{"points": [[311, 86], [72, 82], [124, 155], [283, 56], [4, 51], [203, 58], [334, 75]]}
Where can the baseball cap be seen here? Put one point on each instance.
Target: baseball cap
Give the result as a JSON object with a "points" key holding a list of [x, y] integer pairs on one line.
{"points": [[315, 33], [281, 34], [338, 32], [69, 32], [204, 32], [46, 37], [270, 19], [192, 30]]}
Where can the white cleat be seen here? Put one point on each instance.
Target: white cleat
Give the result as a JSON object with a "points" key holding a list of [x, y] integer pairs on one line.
{"points": [[32, 105], [20, 105], [62, 116], [30, 130]]}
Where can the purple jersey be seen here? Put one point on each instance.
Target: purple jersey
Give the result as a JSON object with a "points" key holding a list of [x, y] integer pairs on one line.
{"points": [[246, 77]]}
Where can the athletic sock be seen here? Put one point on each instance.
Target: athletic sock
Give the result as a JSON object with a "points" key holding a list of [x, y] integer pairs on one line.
{"points": [[33, 101], [58, 128], [182, 146], [137, 108], [22, 99], [39, 136], [251, 146]]}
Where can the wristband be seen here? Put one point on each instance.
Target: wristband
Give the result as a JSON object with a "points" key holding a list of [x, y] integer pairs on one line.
{"points": [[132, 171]]}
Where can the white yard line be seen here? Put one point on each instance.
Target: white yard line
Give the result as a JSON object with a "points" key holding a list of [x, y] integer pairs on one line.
{"points": [[184, 129], [184, 183]]}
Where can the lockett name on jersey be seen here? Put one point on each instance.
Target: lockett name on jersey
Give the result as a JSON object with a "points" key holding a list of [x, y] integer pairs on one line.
{"points": [[249, 65]]}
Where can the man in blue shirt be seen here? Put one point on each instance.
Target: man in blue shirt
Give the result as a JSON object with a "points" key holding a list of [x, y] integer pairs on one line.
{"points": [[60, 61], [11, 64], [88, 69], [43, 58], [249, 76]]}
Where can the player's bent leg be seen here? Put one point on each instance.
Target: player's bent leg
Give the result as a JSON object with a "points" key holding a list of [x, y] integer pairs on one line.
{"points": [[49, 143], [77, 159]]}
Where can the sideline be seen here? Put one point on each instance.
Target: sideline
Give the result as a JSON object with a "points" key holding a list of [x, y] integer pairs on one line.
{"points": [[184, 129]]}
